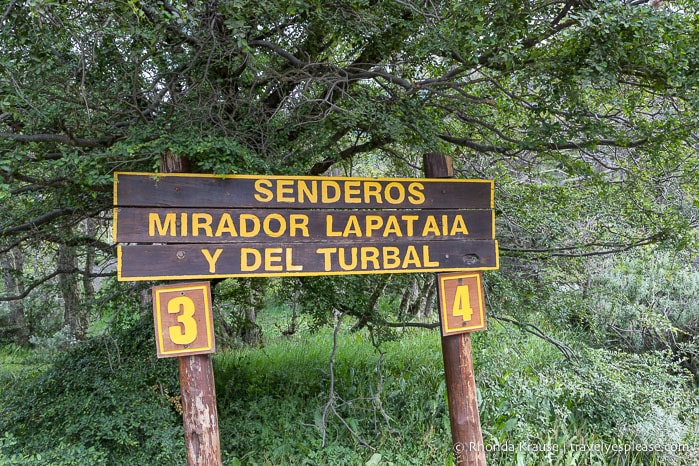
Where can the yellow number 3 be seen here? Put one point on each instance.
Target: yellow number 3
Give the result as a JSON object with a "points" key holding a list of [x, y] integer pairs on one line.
{"points": [[187, 332]]}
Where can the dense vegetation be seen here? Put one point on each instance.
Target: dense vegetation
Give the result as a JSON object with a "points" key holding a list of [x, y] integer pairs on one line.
{"points": [[584, 113], [110, 401]]}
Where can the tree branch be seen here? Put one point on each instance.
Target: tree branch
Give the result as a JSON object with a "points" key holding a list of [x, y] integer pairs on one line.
{"points": [[322, 167], [566, 350], [61, 139], [40, 220]]}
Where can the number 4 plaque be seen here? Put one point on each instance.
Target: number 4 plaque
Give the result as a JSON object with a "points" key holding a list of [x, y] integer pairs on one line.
{"points": [[462, 308], [183, 319]]}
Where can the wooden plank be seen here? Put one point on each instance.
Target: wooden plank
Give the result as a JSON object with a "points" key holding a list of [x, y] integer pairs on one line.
{"points": [[190, 261], [172, 225], [242, 191]]}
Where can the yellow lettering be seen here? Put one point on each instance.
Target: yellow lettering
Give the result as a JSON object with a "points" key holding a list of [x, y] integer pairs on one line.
{"points": [[285, 187], [327, 263], [183, 224], [411, 257], [273, 255], [305, 192], [372, 189], [245, 254], [391, 198], [369, 254], [351, 190], [416, 195], [426, 257], [264, 194], [225, 225], [391, 257], [459, 226], [325, 195], [373, 222], [329, 227], [154, 223], [248, 231], [343, 260], [267, 228], [392, 226], [212, 259], [352, 227], [289, 262], [462, 303], [298, 222], [409, 220], [431, 226], [187, 332], [201, 222]]}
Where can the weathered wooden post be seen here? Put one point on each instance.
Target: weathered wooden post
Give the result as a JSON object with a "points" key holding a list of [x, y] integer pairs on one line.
{"points": [[199, 412], [467, 438]]}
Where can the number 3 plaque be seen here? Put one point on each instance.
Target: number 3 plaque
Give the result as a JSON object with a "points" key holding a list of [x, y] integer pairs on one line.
{"points": [[183, 320]]}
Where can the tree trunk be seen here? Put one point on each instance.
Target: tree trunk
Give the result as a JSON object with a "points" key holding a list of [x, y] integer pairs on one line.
{"points": [[88, 283], [406, 299], [12, 264], [73, 318], [250, 333]]}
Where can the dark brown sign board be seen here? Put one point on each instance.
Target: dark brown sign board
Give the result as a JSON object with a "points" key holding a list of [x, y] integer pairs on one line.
{"points": [[187, 225], [183, 319], [182, 226], [193, 261], [314, 192]]}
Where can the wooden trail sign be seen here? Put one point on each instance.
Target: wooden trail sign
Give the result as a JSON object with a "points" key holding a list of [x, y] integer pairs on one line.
{"points": [[183, 226]]}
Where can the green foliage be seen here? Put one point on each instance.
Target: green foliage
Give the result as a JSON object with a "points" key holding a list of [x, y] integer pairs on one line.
{"points": [[105, 401], [109, 401], [639, 302]]}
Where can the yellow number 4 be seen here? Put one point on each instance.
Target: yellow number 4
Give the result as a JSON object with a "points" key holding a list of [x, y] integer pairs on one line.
{"points": [[462, 303]]}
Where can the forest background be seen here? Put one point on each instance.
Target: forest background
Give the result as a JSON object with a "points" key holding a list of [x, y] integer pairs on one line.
{"points": [[584, 112]]}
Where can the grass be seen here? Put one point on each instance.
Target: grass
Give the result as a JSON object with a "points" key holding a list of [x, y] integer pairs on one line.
{"points": [[536, 406], [271, 403]]}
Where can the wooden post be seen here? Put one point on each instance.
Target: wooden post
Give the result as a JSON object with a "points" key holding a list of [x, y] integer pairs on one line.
{"points": [[199, 412], [467, 438]]}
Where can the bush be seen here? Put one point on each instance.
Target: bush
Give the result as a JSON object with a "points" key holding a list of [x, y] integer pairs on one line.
{"points": [[104, 401]]}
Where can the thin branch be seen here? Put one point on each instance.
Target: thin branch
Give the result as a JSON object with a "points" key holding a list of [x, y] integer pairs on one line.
{"points": [[409, 324], [611, 248], [567, 351], [331, 405]]}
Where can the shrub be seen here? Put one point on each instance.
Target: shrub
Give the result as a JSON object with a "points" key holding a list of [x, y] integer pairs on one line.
{"points": [[104, 401]]}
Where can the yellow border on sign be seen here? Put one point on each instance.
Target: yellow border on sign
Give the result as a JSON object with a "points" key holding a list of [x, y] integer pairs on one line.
{"points": [[300, 274], [159, 320], [115, 212], [443, 310], [492, 212], [287, 177]]}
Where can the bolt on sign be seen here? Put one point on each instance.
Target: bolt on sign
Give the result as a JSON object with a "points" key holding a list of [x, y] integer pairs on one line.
{"points": [[186, 226], [462, 308], [183, 320]]}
